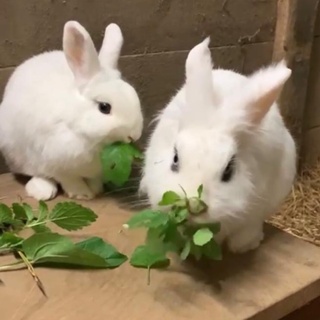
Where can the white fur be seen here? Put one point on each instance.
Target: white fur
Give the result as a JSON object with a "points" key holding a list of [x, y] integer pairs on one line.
{"points": [[218, 114], [50, 124]]}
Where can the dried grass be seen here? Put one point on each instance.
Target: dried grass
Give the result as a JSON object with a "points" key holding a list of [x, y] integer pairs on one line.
{"points": [[300, 214]]}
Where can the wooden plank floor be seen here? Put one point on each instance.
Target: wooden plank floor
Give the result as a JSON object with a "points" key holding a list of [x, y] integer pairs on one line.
{"points": [[278, 278]]}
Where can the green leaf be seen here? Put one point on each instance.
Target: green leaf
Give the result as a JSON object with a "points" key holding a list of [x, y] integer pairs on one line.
{"points": [[169, 198], [44, 245], [186, 250], [214, 227], [19, 211], [144, 257], [98, 246], [55, 249], [9, 240], [43, 211], [29, 212], [23, 212], [173, 239], [196, 251], [16, 225], [202, 237], [130, 148], [75, 257], [116, 160], [147, 218], [212, 250], [71, 216], [200, 191], [157, 240], [41, 228], [180, 215], [6, 215]]}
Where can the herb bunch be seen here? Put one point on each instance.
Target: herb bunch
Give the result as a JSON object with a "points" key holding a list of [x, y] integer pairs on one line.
{"points": [[174, 232], [117, 161], [45, 247], [166, 232]]}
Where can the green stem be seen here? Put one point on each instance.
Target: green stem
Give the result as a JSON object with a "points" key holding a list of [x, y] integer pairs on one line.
{"points": [[149, 276], [19, 265], [36, 224], [29, 265]]}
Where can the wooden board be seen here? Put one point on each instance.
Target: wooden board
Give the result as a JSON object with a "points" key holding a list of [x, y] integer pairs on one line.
{"points": [[309, 311], [293, 42], [267, 284], [310, 151]]}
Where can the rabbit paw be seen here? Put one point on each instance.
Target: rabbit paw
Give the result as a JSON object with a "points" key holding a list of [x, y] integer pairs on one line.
{"points": [[76, 188], [41, 188], [246, 239]]}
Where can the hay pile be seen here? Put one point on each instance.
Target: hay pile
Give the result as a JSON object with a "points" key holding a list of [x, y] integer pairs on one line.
{"points": [[300, 214]]}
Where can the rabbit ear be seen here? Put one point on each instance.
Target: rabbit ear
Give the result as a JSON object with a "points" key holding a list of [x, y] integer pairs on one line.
{"points": [[111, 46], [80, 52], [199, 88], [263, 90]]}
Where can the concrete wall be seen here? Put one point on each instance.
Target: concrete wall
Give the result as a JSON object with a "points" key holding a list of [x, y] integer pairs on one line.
{"points": [[158, 35]]}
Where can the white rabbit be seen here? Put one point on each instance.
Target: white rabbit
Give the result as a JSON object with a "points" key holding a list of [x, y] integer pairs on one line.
{"points": [[224, 130], [59, 108]]}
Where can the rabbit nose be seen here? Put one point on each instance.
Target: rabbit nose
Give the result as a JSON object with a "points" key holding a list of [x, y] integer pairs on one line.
{"points": [[127, 139]]}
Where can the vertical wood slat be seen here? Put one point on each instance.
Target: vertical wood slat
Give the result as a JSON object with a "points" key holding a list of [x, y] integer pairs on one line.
{"points": [[293, 42]]}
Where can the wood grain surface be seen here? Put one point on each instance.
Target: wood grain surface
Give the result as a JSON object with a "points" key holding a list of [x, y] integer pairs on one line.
{"points": [[281, 276]]}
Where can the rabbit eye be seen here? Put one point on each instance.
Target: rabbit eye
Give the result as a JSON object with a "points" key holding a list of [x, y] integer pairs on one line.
{"points": [[175, 163], [105, 107], [228, 171]]}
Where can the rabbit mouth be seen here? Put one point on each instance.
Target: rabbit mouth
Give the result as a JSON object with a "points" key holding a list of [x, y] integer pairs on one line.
{"points": [[204, 217]]}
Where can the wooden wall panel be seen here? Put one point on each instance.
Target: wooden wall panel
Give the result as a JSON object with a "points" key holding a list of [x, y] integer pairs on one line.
{"points": [[311, 126], [30, 27]]}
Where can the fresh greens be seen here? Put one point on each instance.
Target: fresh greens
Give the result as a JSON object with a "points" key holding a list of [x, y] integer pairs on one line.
{"points": [[57, 249], [106, 251], [66, 215], [52, 249], [202, 237], [117, 160], [168, 231], [9, 240], [42, 245], [6, 214], [173, 232], [71, 216], [145, 257]]}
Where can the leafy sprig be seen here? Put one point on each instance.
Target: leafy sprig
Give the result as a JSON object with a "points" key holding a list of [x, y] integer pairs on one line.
{"points": [[45, 247], [117, 160], [171, 231], [174, 232]]}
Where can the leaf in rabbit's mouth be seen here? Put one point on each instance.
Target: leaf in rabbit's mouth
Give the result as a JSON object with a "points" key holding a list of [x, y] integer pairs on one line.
{"points": [[117, 160], [196, 206], [176, 230]]}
